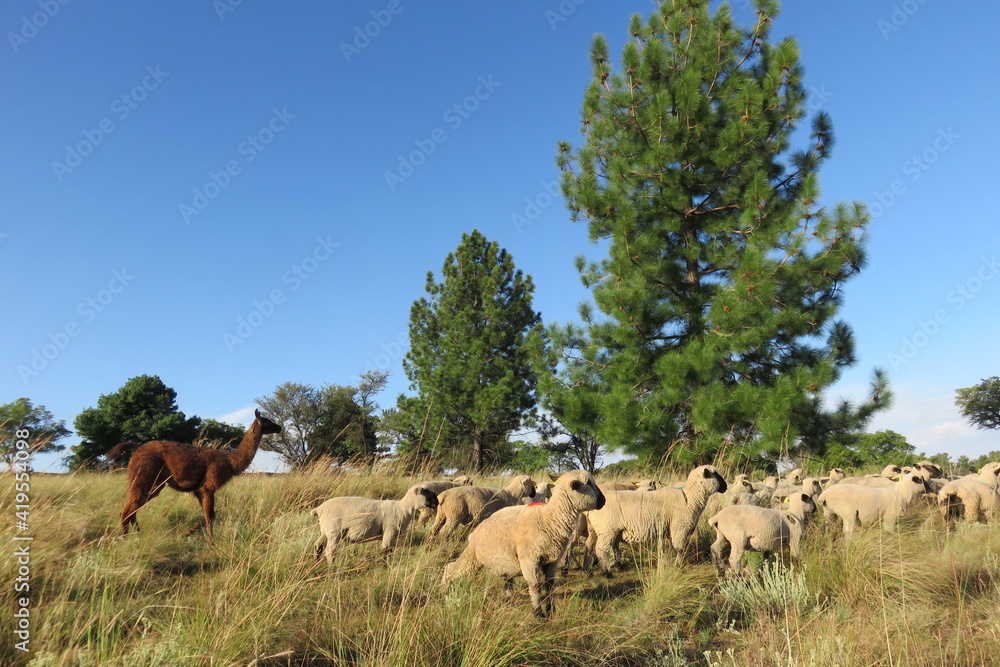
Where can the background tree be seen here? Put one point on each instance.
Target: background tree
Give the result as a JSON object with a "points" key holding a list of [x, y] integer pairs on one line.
{"points": [[45, 431], [333, 421], [980, 403], [142, 409], [723, 275], [870, 451], [468, 359]]}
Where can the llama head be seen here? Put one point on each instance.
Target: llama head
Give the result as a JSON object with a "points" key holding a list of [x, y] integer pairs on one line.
{"points": [[266, 425]]}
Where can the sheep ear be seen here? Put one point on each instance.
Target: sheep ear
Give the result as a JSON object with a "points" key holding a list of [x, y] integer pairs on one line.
{"points": [[792, 519], [575, 485], [708, 473], [554, 478], [804, 497]]}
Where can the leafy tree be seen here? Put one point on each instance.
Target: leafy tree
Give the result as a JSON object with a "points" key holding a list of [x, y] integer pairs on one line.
{"points": [[468, 359], [715, 326], [872, 450], [333, 421], [568, 449], [227, 436], [142, 409], [44, 431], [980, 403], [979, 462]]}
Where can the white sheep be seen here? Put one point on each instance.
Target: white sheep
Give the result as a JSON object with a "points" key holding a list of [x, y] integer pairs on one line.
{"points": [[641, 485], [530, 540], [438, 486], [740, 492], [469, 505], [748, 528], [792, 479], [854, 503], [810, 486], [889, 476], [835, 476], [543, 492], [654, 516], [353, 519], [976, 498]]}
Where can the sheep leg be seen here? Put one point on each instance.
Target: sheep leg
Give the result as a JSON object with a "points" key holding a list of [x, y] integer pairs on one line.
{"points": [[718, 548], [736, 549], [549, 588], [534, 575], [320, 545]]}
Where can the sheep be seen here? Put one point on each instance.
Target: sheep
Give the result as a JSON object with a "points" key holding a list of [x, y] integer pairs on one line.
{"points": [[651, 516], [740, 492], [977, 498], [543, 492], [810, 486], [641, 485], [747, 528], [471, 504], [764, 491], [530, 540], [438, 486], [352, 519], [791, 480], [854, 503], [833, 477], [885, 479]]}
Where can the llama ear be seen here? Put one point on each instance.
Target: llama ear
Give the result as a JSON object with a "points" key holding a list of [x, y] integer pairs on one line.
{"points": [[256, 413]]}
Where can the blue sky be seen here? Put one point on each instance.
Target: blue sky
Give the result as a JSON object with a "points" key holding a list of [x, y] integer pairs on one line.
{"points": [[234, 195]]}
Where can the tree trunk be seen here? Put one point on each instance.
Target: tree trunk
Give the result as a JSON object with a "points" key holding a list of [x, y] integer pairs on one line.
{"points": [[477, 449]]}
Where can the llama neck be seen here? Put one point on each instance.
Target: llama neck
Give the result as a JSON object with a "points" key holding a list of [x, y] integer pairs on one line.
{"points": [[241, 457]]}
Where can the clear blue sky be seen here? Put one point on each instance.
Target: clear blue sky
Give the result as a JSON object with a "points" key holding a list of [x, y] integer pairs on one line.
{"points": [[170, 168]]}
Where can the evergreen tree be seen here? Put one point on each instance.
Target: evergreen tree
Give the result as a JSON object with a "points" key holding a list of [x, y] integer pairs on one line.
{"points": [[468, 359], [143, 409], [980, 403], [717, 298]]}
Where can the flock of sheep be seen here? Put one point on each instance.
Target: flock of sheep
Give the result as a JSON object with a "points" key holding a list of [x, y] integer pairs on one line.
{"points": [[531, 529]]}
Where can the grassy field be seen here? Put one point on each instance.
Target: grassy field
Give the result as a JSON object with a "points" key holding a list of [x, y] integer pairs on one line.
{"points": [[923, 596]]}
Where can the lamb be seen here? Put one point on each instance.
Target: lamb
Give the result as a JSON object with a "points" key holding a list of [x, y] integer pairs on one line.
{"points": [[352, 519], [530, 540], [652, 516], [438, 486], [748, 528], [855, 503], [977, 498], [472, 504]]}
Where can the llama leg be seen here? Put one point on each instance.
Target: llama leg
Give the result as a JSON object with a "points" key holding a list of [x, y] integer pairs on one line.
{"points": [[145, 483], [208, 505]]}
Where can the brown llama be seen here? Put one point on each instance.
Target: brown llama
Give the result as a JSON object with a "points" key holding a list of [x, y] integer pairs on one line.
{"points": [[198, 470]]}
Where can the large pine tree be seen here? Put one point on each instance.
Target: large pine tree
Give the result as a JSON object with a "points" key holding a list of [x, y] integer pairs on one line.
{"points": [[716, 328], [468, 359]]}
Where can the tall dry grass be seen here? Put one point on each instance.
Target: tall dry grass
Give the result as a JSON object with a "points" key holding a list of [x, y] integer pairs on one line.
{"points": [[923, 596]]}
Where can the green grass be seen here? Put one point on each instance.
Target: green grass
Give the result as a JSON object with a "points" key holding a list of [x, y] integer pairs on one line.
{"points": [[922, 596]]}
